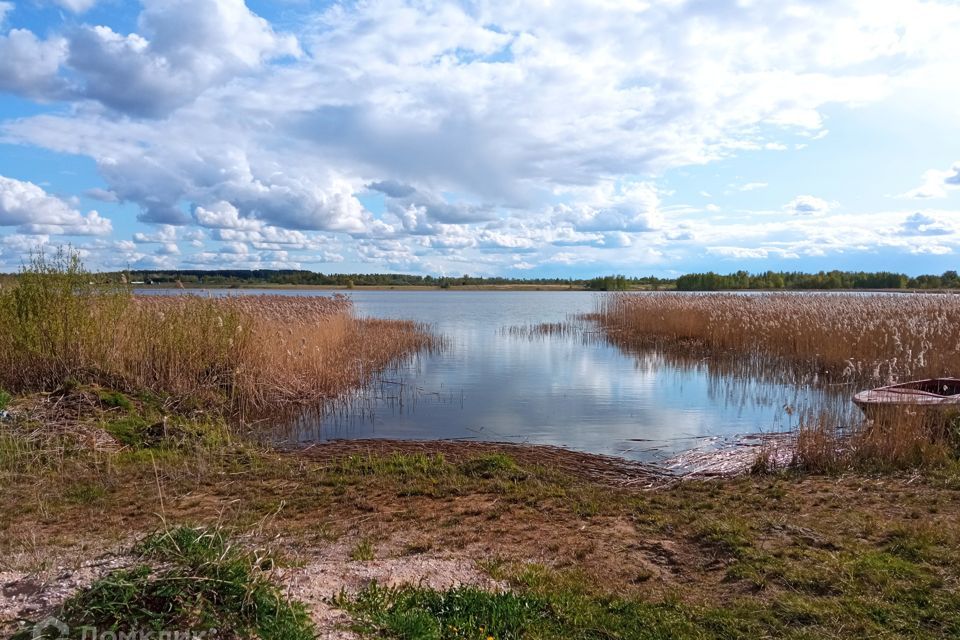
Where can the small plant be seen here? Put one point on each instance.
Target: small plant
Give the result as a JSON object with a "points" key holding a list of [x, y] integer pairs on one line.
{"points": [[189, 580], [5, 399], [363, 551]]}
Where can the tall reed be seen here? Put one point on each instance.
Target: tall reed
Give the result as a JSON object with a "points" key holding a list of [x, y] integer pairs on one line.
{"points": [[839, 341], [863, 339], [245, 353]]}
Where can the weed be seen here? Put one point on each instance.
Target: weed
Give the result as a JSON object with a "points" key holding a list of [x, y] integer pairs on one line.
{"points": [[252, 354], [363, 551]]}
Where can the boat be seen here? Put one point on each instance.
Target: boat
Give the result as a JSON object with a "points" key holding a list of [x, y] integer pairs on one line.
{"points": [[940, 394]]}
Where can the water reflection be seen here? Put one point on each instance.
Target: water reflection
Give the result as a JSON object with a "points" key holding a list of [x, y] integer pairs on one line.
{"points": [[565, 389]]}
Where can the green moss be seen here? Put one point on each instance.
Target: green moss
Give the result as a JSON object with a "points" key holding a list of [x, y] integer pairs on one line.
{"points": [[114, 399]]}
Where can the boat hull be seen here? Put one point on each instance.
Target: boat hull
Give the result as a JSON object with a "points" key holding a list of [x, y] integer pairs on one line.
{"points": [[935, 394]]}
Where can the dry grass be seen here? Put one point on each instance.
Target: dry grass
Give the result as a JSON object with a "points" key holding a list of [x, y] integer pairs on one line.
{"points": [[837, 341], [863, 339], [250, 354]]}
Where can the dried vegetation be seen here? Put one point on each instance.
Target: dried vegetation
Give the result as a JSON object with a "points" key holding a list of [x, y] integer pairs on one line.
{"points": [[249, 354]]}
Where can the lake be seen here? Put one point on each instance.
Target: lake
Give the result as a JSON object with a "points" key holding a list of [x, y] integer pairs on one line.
{"points": [[564, 390]]}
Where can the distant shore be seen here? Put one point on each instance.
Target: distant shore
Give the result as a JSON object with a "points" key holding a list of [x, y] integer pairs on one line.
{"points": [[507, 287]]}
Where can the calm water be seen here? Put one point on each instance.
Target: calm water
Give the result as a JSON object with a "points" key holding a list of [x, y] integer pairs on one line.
{"points": [[567, 391]]}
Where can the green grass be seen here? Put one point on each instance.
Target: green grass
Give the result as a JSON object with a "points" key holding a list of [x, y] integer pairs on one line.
{"points": [[189, 580], [169, 432], [5, 399], [492, 465], [114, 399], [887, 603]]}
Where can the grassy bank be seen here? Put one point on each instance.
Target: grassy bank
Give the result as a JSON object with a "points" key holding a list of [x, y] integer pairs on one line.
{"points": [[583, 547]]}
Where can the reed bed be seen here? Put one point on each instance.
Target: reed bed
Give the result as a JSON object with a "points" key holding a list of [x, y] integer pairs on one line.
{"points": [[830, 341], [254, 355], [862, 339]]}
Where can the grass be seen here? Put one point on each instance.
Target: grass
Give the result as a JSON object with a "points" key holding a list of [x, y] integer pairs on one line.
{"points": [[123, 424], [546, 605], [247, 355], [363, 551], [188, 580], [784, 555]]}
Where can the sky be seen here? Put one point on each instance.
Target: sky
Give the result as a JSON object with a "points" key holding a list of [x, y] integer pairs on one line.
{"points": [[526, 139]]}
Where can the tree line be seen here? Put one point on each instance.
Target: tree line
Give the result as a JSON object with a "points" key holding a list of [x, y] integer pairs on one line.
{"points": [[741, 280], [707, 281]]}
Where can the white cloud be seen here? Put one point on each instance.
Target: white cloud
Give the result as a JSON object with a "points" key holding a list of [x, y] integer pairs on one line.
{"points": [[223, 215], [486, 129], [29, 66], [5, 8], [34, 211], [609, 207], [76, 6], [937, 183], [164, 234], [920, 224], [809, 206], [185, 47]]}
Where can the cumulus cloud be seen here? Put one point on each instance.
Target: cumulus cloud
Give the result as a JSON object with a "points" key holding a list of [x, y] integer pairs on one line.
{"points": [[614, 207], [164, 234], [416, 209], [488, 129], [936, 183], [34, 211], [223, 215], [30, 66], [185, 46], [920, 224], [809, 206]]}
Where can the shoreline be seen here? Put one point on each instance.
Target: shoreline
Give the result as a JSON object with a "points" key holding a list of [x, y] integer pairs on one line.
{"points": [[533, 521]]}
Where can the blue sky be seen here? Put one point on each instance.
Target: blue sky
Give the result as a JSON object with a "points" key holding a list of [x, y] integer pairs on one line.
{"points": [[496, 138]]}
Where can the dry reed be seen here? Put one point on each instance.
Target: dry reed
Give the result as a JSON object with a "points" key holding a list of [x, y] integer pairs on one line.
{"points": [[863, 339], [838, 340], [250, 354]]}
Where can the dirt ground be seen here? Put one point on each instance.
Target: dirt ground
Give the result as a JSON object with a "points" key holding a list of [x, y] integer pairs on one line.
{"points": [[442, 514]]}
